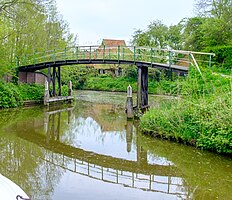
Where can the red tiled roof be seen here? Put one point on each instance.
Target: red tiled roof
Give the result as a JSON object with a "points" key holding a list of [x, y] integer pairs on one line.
{"points": [[111, 43]]}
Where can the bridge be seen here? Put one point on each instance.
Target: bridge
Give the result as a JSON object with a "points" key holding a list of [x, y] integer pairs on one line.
{"points": [[142, 57]]}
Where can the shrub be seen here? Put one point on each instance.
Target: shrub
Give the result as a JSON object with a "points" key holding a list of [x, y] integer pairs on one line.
{"points": [[202, 117], [31, 91], [223, 56], [204, 122], [9, 95]]}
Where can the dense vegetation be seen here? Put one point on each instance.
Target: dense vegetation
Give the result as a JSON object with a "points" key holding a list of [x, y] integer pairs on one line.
{"points": [[12, 95], [27, 27], [201, 117], [210, 30]]}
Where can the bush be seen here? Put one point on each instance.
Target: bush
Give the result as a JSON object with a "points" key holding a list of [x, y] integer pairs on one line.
{"points": [[110, 84], [31, 91], [204, 122], [223, 56], [12, 95], [202, 117], [9, 95]]}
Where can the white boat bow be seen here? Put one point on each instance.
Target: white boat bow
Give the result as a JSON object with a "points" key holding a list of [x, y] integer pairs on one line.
{"points": [[10, 191]]}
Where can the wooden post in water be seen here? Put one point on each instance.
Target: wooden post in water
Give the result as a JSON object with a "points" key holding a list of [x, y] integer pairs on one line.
{"points": [[129, 103], [142, 94], [46, 93], [70, 88]]}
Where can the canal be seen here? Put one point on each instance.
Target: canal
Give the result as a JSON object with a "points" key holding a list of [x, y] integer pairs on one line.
{"points": [[89, 150]]}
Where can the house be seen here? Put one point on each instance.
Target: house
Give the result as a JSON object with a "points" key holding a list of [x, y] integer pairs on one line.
{"points": [[110, 48]]}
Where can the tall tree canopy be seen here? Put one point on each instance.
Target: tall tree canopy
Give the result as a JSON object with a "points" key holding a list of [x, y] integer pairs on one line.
{"points": [[27, 26], [212, 26]]}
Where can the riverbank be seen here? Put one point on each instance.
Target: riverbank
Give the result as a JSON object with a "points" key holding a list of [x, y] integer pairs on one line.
{"points": [[16, 95], [202, 117], [120, 84]]}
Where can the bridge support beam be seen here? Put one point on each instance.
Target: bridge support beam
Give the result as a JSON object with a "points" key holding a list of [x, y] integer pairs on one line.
{"points": [[142, 94], [53, 76]]}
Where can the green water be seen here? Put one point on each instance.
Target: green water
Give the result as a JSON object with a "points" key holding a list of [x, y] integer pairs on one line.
{"points": [[90, 151]]}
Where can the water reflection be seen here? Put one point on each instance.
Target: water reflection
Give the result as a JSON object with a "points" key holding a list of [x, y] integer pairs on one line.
{"points": [[46, 151]]}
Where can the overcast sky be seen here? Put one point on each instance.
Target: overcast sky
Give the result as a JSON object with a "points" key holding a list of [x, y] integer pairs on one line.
{"points": [[94, 20]]}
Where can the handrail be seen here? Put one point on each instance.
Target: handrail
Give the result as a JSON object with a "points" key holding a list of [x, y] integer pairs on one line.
{"points": [[130, 53]]}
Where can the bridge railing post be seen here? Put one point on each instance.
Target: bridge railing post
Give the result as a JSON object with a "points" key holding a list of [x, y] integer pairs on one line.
{"points": [[65, 53], [77, 54], [33, 58], [118, 53], [104, 51], [90, 49], [151, 54], [134, 54], [54, 55]]}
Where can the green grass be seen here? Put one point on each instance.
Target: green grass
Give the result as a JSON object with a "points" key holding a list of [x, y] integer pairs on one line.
{"points": [[202, 117]]}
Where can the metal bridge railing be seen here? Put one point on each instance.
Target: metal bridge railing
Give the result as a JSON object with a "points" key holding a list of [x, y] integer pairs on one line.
{"points": [[155, 183], [118, 53]]}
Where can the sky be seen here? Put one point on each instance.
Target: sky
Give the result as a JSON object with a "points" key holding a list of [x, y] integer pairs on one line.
{"points": [[94, 20]]}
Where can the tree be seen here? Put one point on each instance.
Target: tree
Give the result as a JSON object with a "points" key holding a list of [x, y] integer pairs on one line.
{"points": [[155, 36], [29, 26], [140, 38], [213, 8], [192, 33], [158, 34], [175, 38]]}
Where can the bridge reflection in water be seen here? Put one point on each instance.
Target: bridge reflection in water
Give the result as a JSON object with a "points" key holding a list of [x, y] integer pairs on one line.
{"points": [[135, 174]]}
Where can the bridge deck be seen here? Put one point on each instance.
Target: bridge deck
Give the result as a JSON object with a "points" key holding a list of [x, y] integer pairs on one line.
{"points": [[39, 66]]}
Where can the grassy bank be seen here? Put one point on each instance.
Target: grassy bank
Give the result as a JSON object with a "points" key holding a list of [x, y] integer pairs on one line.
{"points": [[120, 84], [202, 117]]}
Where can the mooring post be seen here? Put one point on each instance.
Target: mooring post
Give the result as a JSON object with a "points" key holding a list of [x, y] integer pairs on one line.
{"points": [[70, 88], [46, 93], [142, 93], [129, 103]]}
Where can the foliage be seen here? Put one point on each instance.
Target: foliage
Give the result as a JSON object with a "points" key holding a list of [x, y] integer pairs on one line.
{"points": [[211, 27], [223, 56], [77, 74], [105, 83], [202, 117], [27, 27], [31, 91], [130, 72], [158, 35], [9, 95], [12, 95]]}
